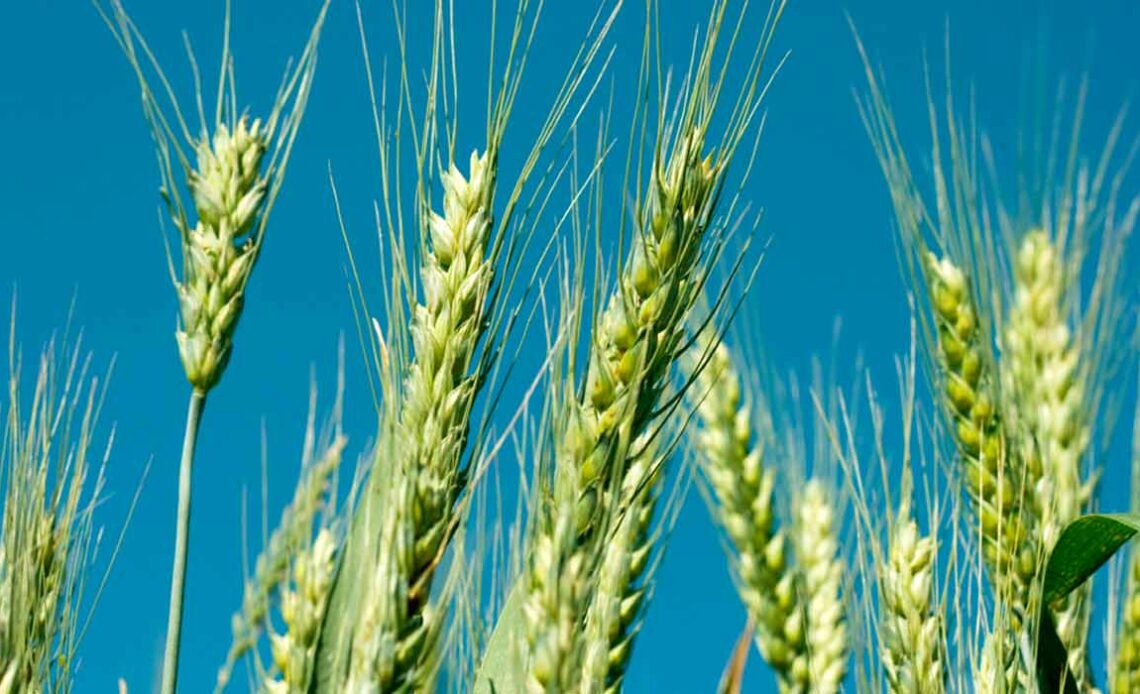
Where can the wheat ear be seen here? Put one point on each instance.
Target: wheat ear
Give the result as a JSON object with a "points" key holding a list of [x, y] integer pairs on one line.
{"points": [[732, 461], [1044, 372], [821, 570], [638, 337], [621, 588], [47, 533], [232, 197], [438, 395], [271, 569], [911, 628], [302, 609], [994, 485]]}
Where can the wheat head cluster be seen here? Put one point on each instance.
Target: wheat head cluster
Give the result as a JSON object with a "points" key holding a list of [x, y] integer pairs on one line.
{"points": [[949, 546]]}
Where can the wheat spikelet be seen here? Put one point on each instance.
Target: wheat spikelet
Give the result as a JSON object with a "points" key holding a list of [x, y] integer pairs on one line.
{"points": [[821, 571], [732, 463]]}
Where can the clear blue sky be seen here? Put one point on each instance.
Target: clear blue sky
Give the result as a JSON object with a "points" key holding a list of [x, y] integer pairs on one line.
{"points": [[78, 193]]}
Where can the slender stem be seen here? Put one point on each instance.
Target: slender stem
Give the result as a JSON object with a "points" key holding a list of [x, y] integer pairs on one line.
{"points": [[181, 544]]}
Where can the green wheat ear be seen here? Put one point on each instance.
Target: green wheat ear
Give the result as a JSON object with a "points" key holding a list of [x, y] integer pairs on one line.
{"points": [[732, 462], [238, 170]]}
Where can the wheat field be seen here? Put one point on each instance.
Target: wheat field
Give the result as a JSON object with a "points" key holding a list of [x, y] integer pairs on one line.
{"points": [[538, 346]]}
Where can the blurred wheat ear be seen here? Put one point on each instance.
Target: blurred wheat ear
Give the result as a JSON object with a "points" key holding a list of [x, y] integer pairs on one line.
{"points": [[48, 539]]}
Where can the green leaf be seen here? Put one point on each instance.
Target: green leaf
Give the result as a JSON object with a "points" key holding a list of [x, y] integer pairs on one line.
{"points": [[1084, 546], [502, 668]]}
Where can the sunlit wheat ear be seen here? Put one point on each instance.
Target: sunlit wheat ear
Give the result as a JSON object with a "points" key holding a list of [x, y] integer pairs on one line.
{"points": [[732, 463], [821, 571], [438, 395], [1044, 374], [605, 468], [219, 253], [632, 352], [238, 171], [911, 628], [234, 170], [992, 482], [640, 333], [557, 596]]}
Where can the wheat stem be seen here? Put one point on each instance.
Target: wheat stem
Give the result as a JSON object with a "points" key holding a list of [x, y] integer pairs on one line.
{"points": [[181, 544]]}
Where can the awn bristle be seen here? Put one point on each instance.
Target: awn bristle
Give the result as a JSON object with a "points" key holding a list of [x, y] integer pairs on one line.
{"points": [[733, 464], [821, 572]]}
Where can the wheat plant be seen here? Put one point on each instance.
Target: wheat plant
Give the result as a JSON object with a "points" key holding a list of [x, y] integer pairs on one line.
{"points": [[52, 479]]}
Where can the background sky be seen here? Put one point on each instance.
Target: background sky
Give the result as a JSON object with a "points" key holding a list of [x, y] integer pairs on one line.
{"points": [[78, 211]]}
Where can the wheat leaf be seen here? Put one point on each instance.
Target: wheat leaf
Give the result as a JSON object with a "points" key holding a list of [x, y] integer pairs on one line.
{"points": [[501, 669], [1084, 546]]}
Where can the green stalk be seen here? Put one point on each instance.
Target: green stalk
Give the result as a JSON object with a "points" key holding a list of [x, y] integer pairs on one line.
{"points": [[181, 544]]}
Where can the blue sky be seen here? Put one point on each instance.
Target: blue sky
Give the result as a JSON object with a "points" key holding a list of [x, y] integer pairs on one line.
{"points": [[78, 190]]}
